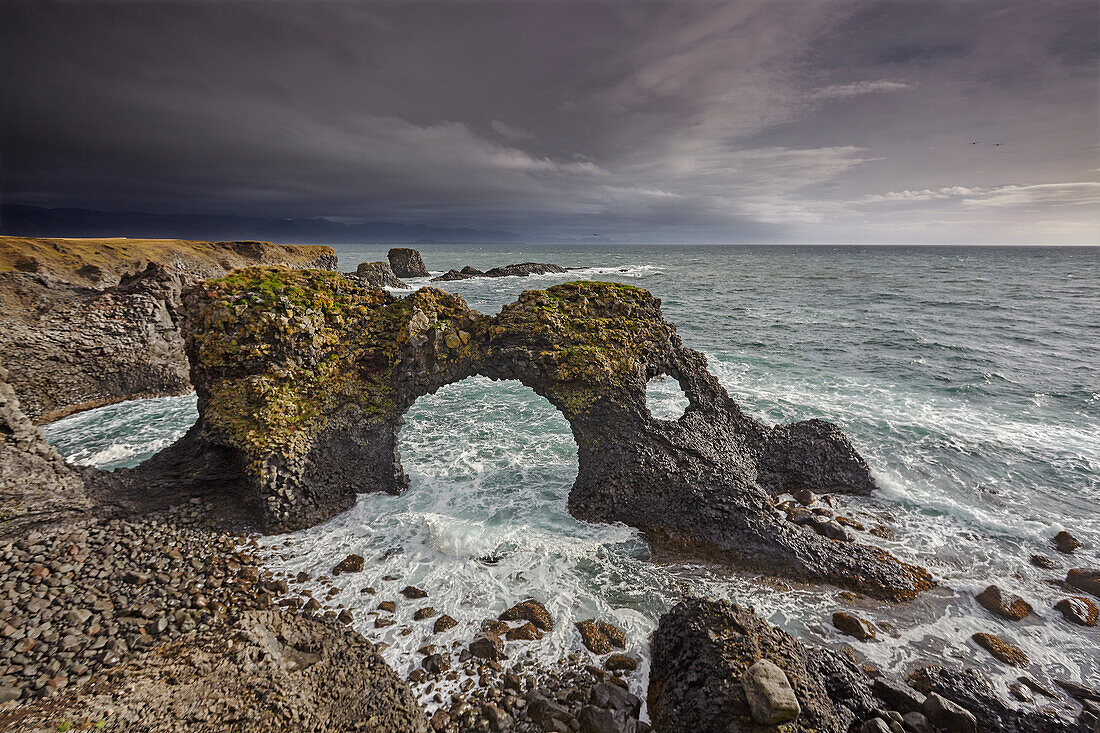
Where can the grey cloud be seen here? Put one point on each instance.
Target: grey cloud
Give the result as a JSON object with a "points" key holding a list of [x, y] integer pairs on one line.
{"points": [[763, 120]]}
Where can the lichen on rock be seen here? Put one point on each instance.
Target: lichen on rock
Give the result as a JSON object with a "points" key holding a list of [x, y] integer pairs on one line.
{"points": [[303, 378]]}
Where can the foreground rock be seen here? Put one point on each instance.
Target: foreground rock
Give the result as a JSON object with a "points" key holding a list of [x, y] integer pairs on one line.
{"points": [[1005, 605], [969, 690], [303, 378], [523, 269], [85, 323], [701, 651], [406, 263]]}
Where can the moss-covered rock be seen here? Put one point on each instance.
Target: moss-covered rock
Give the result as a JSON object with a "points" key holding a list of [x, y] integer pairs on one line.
{"points": [[303, 377]]}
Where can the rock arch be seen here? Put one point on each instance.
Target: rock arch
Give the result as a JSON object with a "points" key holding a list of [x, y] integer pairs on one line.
{"points": [[302, 378]]}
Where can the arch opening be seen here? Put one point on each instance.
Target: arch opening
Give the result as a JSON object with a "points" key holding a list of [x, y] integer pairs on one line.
{"points": [[665, 397]]}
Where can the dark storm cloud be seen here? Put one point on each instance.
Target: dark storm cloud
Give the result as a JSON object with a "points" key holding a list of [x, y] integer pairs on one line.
{"points": [[690, 121]]}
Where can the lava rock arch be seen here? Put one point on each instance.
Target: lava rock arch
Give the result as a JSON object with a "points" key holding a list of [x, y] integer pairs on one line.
{"points": [[303, 378]]}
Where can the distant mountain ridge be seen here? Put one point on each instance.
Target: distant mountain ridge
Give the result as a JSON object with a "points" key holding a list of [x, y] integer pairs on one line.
{"points": [[36, 221]]}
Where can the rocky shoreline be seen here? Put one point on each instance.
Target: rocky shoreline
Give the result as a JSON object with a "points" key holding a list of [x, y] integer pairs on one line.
{"points": [[143, 600]]}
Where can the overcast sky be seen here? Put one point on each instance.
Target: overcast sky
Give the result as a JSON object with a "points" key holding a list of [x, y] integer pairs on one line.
{"points": [[760, 121]]}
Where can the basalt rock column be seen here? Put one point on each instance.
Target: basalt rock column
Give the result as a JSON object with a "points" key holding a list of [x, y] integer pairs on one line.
{"points": [[303, 378]]}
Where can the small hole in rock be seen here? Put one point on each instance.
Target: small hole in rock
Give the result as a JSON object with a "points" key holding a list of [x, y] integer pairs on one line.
{"points": [[665, 398]]}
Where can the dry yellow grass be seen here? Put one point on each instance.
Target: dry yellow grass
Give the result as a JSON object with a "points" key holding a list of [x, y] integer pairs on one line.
{"points": [[92, 260]]}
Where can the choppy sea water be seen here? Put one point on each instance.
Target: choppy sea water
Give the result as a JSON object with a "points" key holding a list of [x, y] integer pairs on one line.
{"points": [[968, 377]]}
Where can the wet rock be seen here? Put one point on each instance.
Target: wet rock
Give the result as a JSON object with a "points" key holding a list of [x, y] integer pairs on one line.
{"points": [[488, 646], [436, 664], [350, 564], [525, 632], [1042, 561], [422, 613], [599, 637], [1086, 579], [805, 497], [1079, 691], [1012, 608], [898, 696], [530, 610], [853, 625], [1001, 649], [948, 716], [620, 663], [1078, 610], [443, 623], [522, 269], [498, 719], [412, 592], [406, 263], [769, 694], [1066, 543], [875, 725], [388, 606], [345, 617], [970, 689], [701, 645]]}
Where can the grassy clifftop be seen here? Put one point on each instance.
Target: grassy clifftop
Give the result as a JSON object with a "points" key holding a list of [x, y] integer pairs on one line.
{"points": [[100, 262]]}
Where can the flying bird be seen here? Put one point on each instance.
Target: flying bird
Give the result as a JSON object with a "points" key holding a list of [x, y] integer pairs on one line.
{"points": [[975, 142]]}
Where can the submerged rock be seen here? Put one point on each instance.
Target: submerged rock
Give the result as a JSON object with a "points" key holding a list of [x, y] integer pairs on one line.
{"points": [[406, 262], [303, 378], [702, 648]]}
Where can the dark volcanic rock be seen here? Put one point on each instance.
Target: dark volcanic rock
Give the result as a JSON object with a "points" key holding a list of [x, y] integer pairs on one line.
{"points": [[38, 490], [350, 361], [406, 263], [1012, 608], [530, 610], [969, 689], [378, 275], [601, 637], [1042, 561], [702, 648], [523, 269]]}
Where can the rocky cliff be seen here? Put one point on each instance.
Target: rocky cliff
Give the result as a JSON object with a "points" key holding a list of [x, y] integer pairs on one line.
{"points": [[303, 378], [89, 322]]}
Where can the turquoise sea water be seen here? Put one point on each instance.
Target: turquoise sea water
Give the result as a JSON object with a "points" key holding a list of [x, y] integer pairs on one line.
{"points": [[968, 377]]}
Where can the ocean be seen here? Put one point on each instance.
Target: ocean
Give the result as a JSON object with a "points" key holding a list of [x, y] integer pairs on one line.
{"points": [[968, 377]]}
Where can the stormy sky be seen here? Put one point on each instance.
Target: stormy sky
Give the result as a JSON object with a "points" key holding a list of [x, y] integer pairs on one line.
{"points": [[758, 121]]}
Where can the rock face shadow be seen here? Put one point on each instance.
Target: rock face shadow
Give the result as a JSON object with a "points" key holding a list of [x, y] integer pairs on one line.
{"points": [[303, 378]]}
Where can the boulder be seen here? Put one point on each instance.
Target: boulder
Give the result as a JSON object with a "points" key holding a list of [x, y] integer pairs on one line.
{"points": [[768, 692], [898, 696], [1001, 649], [530, 610], [406, 263], [970, 689], [996, 601], [1086, 579], [1078, 610], [853, 625], [443, 623], [488, 646], [1066, 543], [302, 398], [948, 716], [599, 637], [350, 564], [1042, 561], [703, 647], [378, 275]]}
